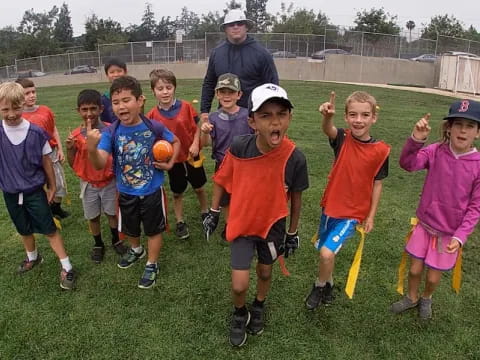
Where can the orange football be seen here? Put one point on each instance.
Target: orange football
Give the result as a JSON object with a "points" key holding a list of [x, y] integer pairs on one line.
{"points": [[162, 150]]}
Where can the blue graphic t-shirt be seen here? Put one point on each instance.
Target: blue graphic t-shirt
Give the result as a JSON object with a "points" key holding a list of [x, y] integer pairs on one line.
{"points": [[134, 170]]}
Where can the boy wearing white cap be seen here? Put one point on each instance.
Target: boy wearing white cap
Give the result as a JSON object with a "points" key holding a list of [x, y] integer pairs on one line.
{"points": [[262, 172]]}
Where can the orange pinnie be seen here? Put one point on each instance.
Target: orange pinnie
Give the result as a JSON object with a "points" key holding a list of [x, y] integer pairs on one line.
{"points": [[162, 150]]}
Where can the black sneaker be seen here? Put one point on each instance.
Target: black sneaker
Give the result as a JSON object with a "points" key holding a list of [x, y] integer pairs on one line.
{"points": [[97, 254], [315, 297], [28, 265], [182, 230], [58, 212], [204, 215], [120, 248], [257, 320], [238, 329], [130, 258], [328, 296], [149, 277], [68, 279]]}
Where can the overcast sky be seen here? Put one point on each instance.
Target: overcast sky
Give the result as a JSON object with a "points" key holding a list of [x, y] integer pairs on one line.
{"points": [[340, 12]]}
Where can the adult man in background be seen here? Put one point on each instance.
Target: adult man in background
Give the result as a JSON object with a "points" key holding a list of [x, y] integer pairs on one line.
{"points": [[241, 55]]}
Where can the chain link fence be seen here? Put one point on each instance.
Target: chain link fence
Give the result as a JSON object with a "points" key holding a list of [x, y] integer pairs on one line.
{"points": [[402, 46]]}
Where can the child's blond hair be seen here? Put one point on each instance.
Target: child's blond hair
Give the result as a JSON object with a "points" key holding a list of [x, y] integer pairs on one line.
{"points": [[361, 97], [12, 93]]}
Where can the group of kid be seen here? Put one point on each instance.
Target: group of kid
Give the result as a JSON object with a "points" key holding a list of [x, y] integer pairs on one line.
{"points": [[259, 178]]}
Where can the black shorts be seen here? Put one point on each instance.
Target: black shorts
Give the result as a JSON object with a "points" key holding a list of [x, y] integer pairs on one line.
{"points": [[225, 199], [148, 210], [33, 215], [183, 173]]}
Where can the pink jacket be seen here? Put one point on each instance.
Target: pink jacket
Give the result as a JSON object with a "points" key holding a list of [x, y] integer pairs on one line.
{"points": [[450, 200]]}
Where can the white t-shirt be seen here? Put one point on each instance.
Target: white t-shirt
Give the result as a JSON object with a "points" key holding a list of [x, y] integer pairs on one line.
{"points": [[17, 134]]}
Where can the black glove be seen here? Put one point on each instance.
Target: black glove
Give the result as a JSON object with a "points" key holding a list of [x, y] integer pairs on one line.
{"points": [[292, 242], [210, 222]]}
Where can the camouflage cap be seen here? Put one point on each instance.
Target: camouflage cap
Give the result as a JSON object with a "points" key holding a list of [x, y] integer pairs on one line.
{"points": [[228, 81]]}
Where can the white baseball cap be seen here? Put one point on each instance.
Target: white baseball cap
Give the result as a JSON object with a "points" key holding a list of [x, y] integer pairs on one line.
{"points": [[266, 92], [235, 15]]}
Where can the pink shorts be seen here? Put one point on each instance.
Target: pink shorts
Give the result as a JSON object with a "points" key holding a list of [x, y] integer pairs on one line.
{"points": [[432, 249]]}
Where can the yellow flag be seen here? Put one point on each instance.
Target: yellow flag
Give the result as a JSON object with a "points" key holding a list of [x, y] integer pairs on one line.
{"points": [[58, 224], [355, 268], [402, 267], [457, 273]]}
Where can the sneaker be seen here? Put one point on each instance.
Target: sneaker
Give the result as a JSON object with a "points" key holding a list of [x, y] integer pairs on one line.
{"points": [[97, 254], [238, 327], [315, 297], [68, 279], [28, 265], [182, 230], [328, 296], [120, 248], [149, 277], [257, 320], [425, 308], [403, 305], [130, 258], [58, 212], [204, 215]]}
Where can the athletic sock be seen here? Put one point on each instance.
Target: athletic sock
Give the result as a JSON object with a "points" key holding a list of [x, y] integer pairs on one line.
{"points": [[319, 283], [138, 250], [66, 264], [98, 240], [32, 255], [150, 263], [241, 311], [115, 237]]}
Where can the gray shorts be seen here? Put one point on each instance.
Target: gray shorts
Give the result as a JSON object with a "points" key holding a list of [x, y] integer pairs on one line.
{"points": [[96, 200], [60, 181]]}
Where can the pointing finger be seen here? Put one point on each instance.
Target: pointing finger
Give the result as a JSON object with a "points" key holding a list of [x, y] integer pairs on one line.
{"points": [[426, 117], [89, 125], [332, 98]]}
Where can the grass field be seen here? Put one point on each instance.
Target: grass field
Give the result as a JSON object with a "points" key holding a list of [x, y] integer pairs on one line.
{"points": [[187, 314]]}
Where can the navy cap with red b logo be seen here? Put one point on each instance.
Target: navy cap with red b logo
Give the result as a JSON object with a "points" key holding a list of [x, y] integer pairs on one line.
{"points": [[466, 109]]}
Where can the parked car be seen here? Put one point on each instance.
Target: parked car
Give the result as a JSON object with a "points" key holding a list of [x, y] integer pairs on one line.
{"points": [[430, 58], [320, 55], [29, 74], [82, 69], [460, 53], [284, 54]]}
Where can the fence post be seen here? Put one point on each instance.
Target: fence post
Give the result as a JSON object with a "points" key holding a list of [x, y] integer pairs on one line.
{"points": [[69, 65], [205, 46], [436, 44], [153, 52], [99, 56], [399, 46], [468, 49], [325, 37], [41, 64], [131, 53], [284, 41], [361, 45]]}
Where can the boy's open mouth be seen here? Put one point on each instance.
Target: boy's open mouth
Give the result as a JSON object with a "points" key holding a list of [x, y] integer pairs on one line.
{"points": [[275, 135]]}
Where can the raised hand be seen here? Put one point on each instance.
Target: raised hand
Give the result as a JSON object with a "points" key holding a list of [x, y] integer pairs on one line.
{"points": [[327, 109], [421, 128], [93, 136], [70, 141]]}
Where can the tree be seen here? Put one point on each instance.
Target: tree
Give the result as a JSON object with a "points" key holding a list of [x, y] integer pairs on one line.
{"points": [[146, 30], [37, 34], [472, 34], [257, 12], [63, 31], [99, 31], [410, 25], [165, 28], [376, 21], [232, 4], [443, 25], [300, 21], [9, 39], [188, 21], [209, 22]]}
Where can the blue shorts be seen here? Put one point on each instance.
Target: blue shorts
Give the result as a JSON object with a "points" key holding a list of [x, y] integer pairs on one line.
{"points": [[332, 232]]}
